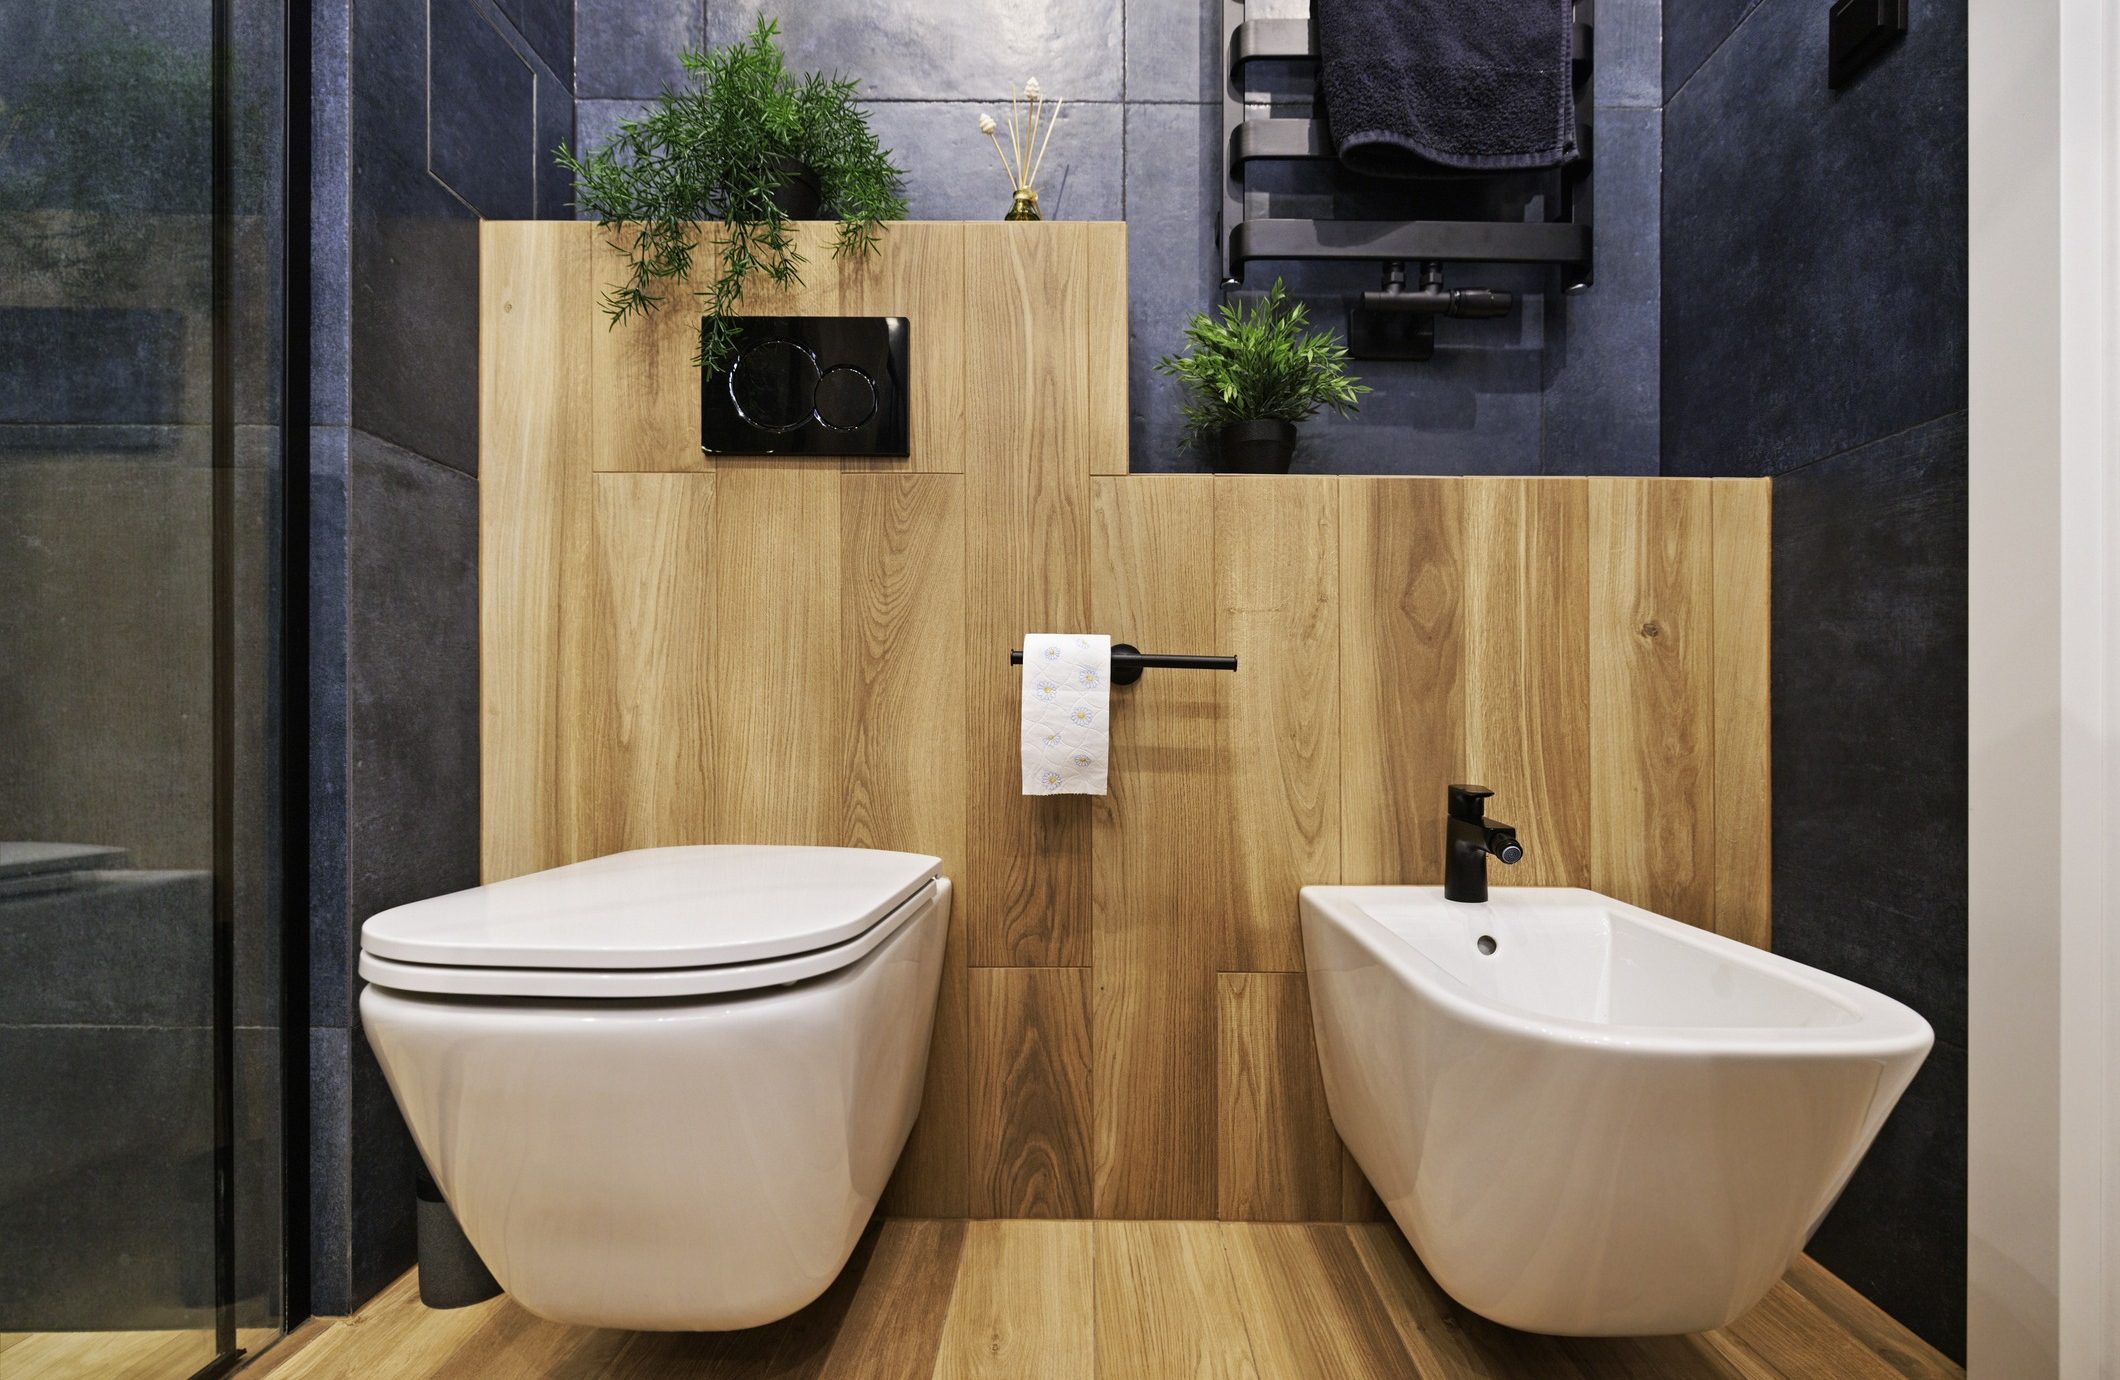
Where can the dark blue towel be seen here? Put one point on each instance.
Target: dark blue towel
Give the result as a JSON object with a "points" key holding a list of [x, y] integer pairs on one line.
{"points": [[1412, 84]]}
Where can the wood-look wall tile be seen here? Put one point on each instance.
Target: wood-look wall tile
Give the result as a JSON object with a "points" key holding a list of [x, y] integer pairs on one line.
{"points": [[1278, 1156], [1159, 861], [1166, 1304], [1652, 695], [779, 741], [638, 749], [1030, 1103], [902, 694], [1110, 418], [1527, 685], [536, 315], [1277, 572], [1309, 1304], [1402, 674], [642, 377], [1025, 1306], [1744, 863], [918, 273], [1027, 873]]}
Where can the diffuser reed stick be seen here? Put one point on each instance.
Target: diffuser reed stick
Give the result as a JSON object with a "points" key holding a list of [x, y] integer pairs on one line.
{"points": [[1031, 118]]}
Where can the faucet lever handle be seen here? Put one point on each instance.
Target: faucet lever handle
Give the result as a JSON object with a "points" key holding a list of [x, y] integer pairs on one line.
{"points": [[1465, 802]]}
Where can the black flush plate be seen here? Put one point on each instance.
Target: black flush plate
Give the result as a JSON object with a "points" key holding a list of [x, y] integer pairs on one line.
{"points": [[1860, 30], [810, 385]]}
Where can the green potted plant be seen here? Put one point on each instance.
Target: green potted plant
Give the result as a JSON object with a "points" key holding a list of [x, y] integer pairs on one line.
{"points": [[1251, 373], [750, 146]]}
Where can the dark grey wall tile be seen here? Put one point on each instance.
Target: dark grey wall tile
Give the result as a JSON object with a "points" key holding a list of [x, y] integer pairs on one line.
{"points": [[1815, 260], [595, 122], [415, 328], [330, 958], [1898, 1231], [1869, 667], [628, 49], [952, 173], [548, 27], [330, 1170], [108, 947], [106, 1177], [1173, 194], [968, 51], [1692, 30], [1627, 50], [384, 1166], [481, 112], [1601, 372], [1174, 50], [412, 808], [330, 212], [555, 126]]}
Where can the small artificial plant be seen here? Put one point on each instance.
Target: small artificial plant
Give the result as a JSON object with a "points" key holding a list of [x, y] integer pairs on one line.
{"points": [[725, 149], [1258, 363]]}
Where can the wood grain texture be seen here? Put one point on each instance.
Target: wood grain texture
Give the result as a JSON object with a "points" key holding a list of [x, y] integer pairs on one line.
{"points": [[1110, 429], [1166, 1304], [1742, 720], [1279, 1159], [1652, 695], [1025, 1306], [1402, 676], [1159, 857], [1030, 1101], [637, 736], [775, 656], [1122, 1301], [536, 313], [644, 387], [902, 695], [1527, 683], [1277, 610], [1027, 876], [1309, 1305], [918, 273]]}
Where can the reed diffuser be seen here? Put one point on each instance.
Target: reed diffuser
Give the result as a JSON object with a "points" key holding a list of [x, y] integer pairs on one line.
{"points": [[1030, 131]]}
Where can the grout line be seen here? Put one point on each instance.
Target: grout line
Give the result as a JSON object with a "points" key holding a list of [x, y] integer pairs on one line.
{"points": [[1709, 56], [1851, 449]]}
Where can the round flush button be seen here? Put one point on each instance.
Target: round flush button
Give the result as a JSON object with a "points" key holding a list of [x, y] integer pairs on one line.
{"points": [[773, 385], [846, 398]]}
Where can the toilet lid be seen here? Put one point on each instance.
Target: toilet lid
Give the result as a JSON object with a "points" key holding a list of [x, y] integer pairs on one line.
{"points": [[691, 907]]}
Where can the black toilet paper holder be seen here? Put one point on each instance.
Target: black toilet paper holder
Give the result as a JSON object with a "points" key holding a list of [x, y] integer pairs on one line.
{"points": [[1129, 661]]}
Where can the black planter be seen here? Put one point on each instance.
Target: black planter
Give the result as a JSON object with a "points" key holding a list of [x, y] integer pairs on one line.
{"points": [[1258, 447], [799, 193]]}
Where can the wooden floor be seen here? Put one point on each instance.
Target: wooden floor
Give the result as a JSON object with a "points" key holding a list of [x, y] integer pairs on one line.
{"points": [[1072, 1300], [113, 1355]]}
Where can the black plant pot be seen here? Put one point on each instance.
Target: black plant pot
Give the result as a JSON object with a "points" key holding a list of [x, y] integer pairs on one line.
{"points": [[1258, 447], [799, 193]]}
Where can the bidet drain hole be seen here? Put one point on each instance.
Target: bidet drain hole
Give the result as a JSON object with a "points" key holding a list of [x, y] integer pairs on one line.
{"points": [[1487, 944]]}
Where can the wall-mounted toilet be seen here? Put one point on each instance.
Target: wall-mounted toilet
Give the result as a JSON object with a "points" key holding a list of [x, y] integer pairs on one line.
{"points": [[664, 1089]]}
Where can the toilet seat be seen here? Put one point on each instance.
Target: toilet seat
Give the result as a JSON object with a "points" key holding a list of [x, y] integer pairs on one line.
{"points": [[657, 922], [465, 980]]}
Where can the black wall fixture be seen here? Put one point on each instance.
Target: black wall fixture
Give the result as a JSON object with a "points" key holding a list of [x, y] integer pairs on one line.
{"points": [[810, 385], [1860, 31]]}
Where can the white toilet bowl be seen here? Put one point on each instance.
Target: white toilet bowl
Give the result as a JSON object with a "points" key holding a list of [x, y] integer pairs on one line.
{"points": [[663, 1089]]}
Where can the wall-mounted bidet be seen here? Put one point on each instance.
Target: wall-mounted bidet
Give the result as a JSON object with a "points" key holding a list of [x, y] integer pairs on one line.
{"points": [[664, 1089], [1589, 1119]]}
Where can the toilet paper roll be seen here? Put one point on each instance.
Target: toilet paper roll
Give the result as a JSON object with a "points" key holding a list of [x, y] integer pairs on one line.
{"points": [[1066, 713]]}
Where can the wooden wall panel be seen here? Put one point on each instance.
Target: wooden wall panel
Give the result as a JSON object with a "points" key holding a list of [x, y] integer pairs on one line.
{"points": [[902, 691], [919, 275], [644, 419], [1402, 676], [1279, 1157], [1743, 760], [1652, 695], [1527, 679], [800, 651], [1277, 590], [1159, 856], [638, 745], [1110, 428], [536, 315], [1030, 1092], [1026, 881]]}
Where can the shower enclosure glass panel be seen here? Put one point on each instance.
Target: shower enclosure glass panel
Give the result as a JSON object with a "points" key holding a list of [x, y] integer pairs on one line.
{"points": [[140, 518]]}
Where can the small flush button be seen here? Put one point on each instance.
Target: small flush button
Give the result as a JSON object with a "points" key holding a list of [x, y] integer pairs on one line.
{"points": [[846, 398]]}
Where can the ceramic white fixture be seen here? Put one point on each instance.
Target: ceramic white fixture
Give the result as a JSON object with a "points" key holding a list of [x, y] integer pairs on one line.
{"points": [[1587, 1118], [662, 1090]]}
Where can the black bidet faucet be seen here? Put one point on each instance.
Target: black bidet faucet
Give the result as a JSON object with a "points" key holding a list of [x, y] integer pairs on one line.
{"points": [[1472, 838]]}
